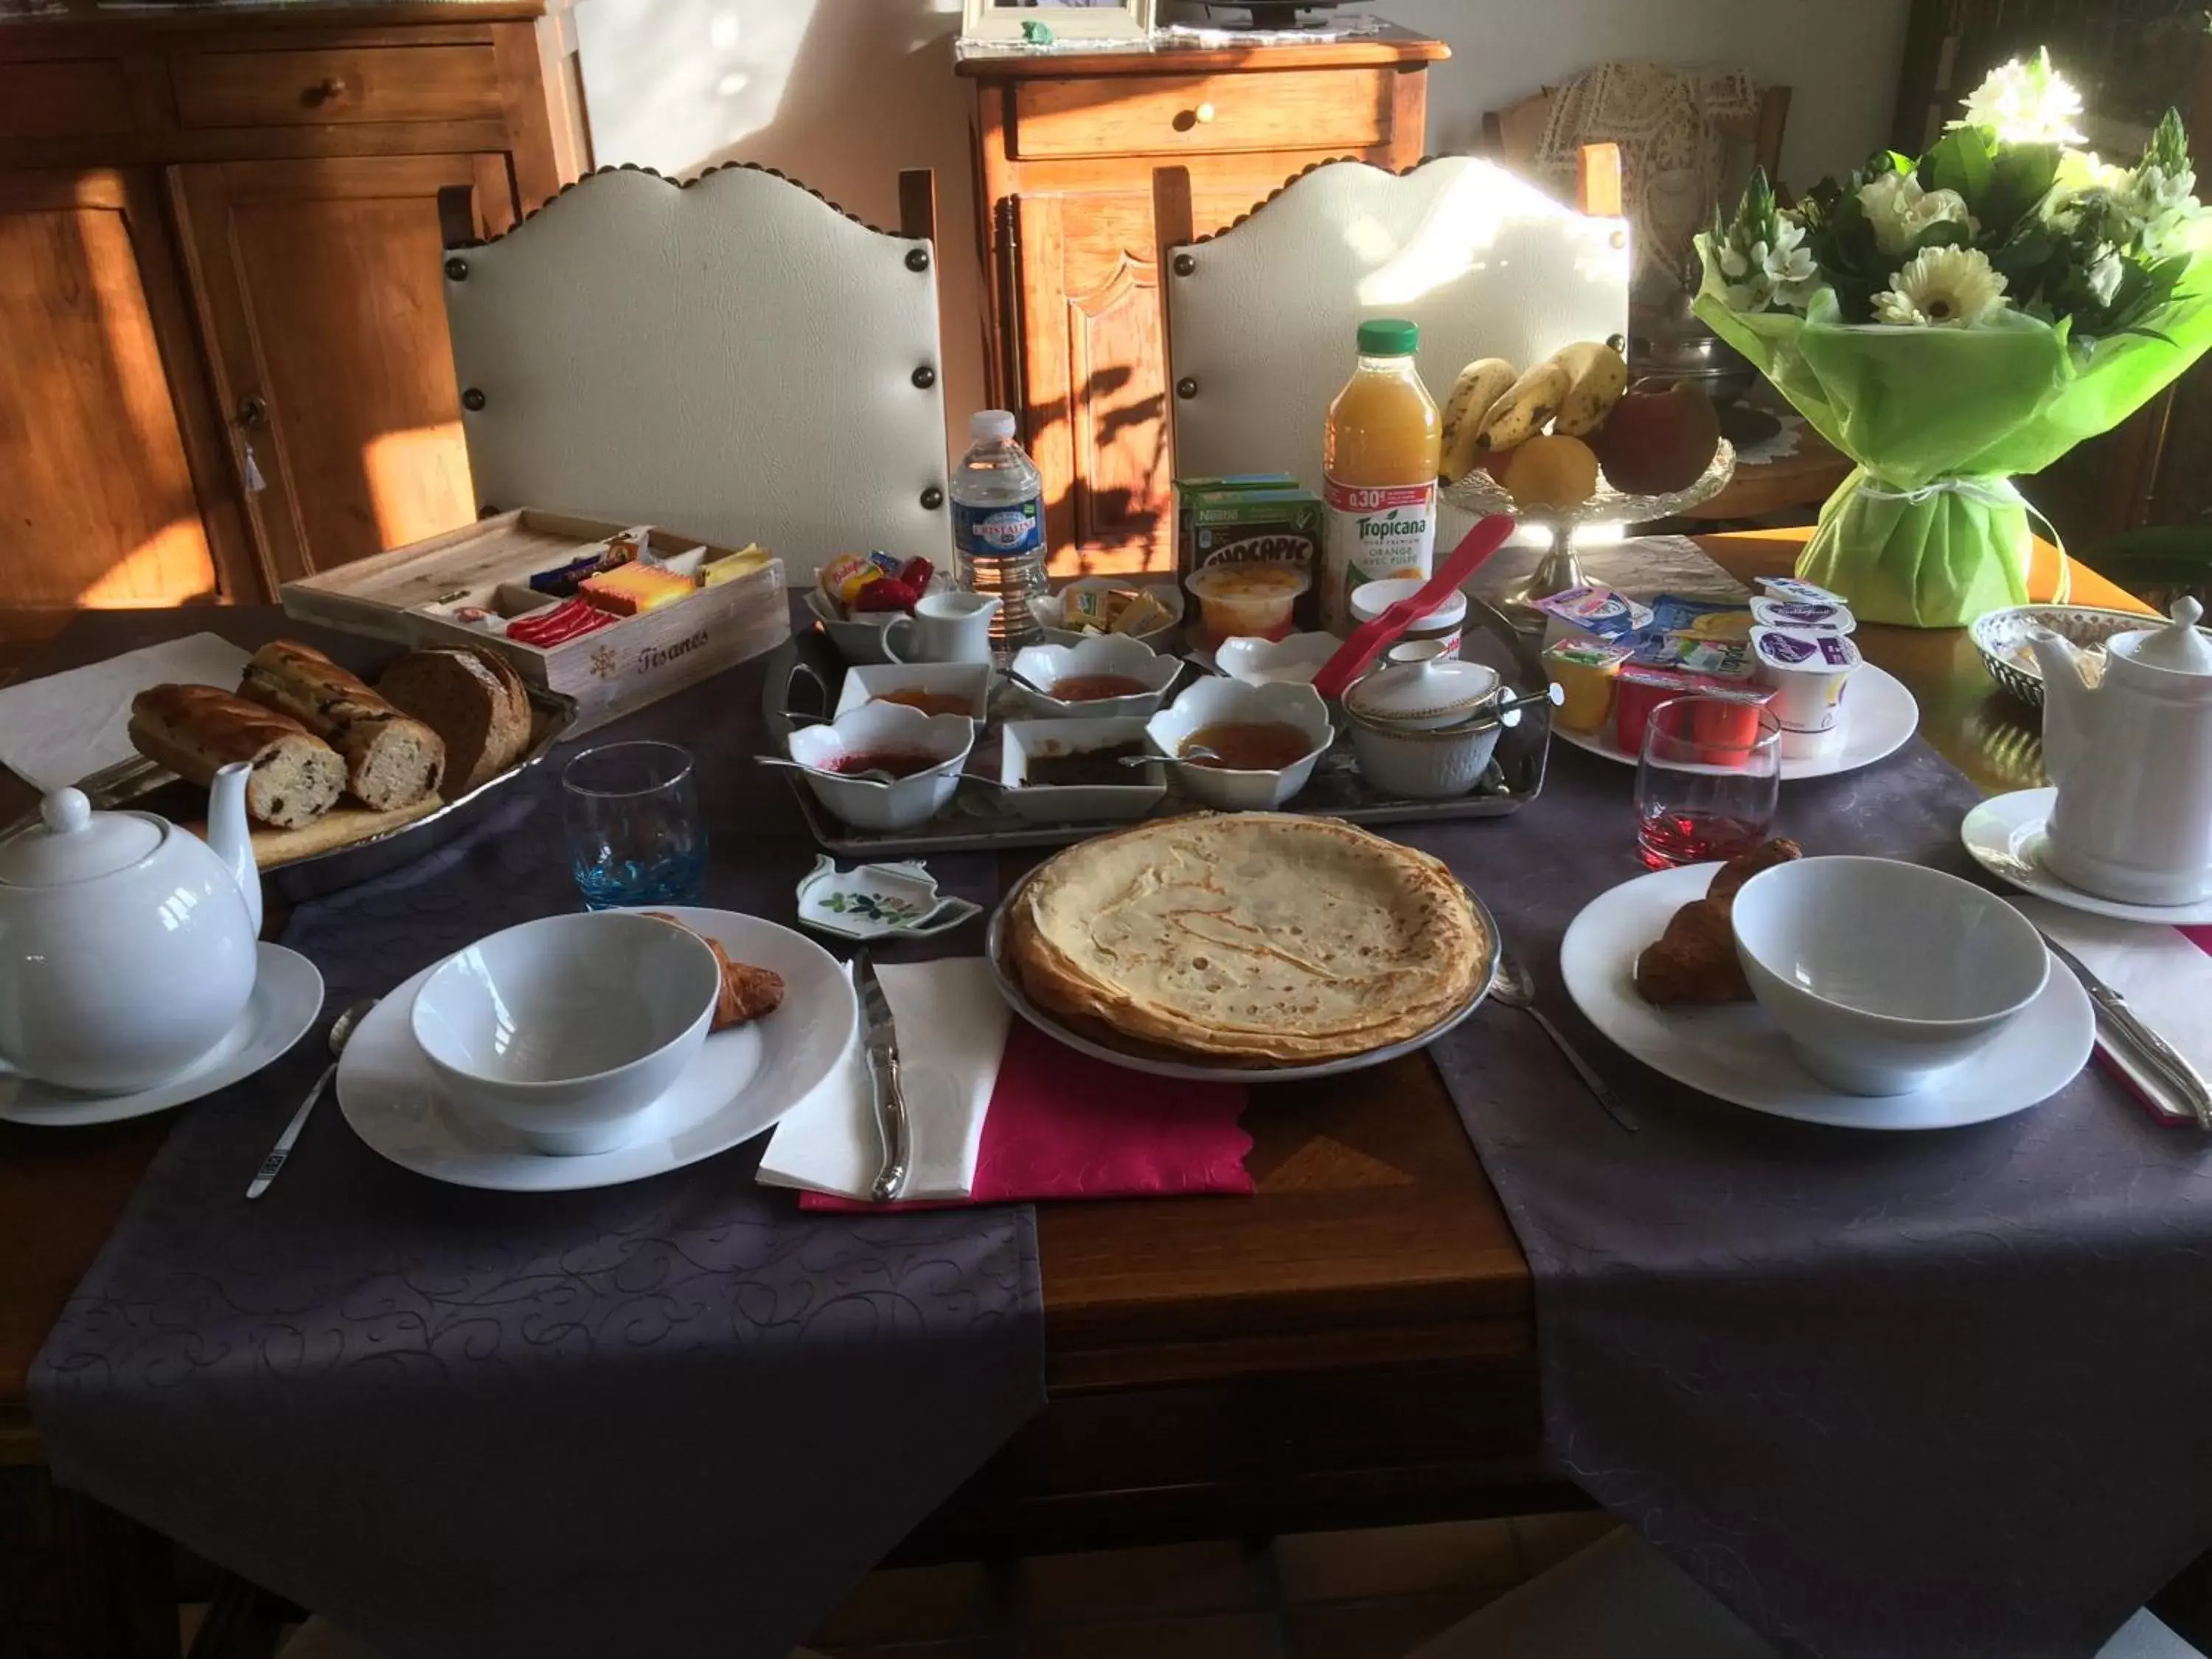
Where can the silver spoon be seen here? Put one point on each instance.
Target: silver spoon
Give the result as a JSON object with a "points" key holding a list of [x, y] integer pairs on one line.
{"points": [[1190, 756], [1516, 988], [342, 1030], [874, 775], [1020, 678]]}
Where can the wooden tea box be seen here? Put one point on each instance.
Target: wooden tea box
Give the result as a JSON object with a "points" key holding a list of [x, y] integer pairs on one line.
{"points": [[406, 595]]}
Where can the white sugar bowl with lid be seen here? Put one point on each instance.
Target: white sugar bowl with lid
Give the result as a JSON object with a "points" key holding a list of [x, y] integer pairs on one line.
{"points": [[126, 943], [1426, 729]]}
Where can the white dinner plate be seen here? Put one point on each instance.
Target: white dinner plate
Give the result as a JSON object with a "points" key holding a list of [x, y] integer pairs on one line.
{"points": [[1880, 718], [1737, 1054], [745, 1080], [2005, 835], [287, 994]]}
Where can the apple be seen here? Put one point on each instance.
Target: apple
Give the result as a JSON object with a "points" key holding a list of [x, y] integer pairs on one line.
{"points": [[1659, 438]]}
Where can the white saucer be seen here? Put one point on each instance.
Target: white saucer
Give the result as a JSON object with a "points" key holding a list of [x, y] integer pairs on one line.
{"points": [[287, 994], [2005, 835], [1880, 718], [743, 1081], [1737, 1054]]}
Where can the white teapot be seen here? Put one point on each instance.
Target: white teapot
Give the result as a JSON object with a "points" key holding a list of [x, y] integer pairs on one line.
{"points": [[2132, 758], [126, 944]]}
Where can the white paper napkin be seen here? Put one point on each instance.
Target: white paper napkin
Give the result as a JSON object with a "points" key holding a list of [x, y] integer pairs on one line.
{"points": [[57, 730], [951, 1034], [2166, 980]]}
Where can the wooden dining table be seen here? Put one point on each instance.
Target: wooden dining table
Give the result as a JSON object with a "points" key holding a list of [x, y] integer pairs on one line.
{"points": [[1355, 1344]]}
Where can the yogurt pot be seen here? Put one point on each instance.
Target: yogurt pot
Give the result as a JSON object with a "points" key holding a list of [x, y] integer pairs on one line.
{"points": [[1442, 626], [1790, 587], [1804, 616], [1591, 613], [1252, 599], [1808, 673], [1584, 671]]}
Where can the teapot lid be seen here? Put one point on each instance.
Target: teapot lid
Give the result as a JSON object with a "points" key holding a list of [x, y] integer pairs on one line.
{"points": [[2179, 647], [71, 843]]}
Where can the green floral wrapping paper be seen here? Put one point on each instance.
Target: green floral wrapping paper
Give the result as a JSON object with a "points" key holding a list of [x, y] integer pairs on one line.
{"points": [[1929, 530]]}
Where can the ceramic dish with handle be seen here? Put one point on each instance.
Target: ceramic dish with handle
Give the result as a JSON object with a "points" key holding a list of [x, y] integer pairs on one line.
{"points": [[1038, 669], [1231, 702], [1025, 742], [1425, 729], [1051, 610], [561, 1032], [2003, 638], [1294, 659], [878, 730], [1884, 974], [858, 639]]}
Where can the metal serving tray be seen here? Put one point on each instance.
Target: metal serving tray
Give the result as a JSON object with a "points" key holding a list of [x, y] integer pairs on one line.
{"points": [[977, 821]]}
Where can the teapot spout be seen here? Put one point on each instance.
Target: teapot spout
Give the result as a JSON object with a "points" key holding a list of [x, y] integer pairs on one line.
{"points": [[232, 842], [2067, 700]]}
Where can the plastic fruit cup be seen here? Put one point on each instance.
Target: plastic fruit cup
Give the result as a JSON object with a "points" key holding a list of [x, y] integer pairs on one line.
{"points": [[1251, 600]]}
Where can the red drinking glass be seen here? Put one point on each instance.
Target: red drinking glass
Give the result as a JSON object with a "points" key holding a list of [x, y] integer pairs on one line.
{"points": [[1708, 781]]}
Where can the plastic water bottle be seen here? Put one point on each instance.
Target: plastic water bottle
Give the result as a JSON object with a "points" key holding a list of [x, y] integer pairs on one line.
{"points": [[998, 528]]}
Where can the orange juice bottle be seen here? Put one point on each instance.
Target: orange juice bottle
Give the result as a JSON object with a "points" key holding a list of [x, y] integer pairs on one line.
{"points": [[1380, 452]]}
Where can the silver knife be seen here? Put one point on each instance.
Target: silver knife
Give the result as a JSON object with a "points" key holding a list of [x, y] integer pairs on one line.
{"points": [[2161, 1056], [881, 1041]]}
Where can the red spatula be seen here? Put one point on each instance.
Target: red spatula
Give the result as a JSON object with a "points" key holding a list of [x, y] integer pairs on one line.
{"points": [[1369, 640]]}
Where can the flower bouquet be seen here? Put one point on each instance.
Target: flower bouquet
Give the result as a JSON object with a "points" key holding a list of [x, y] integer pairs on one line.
{"points": [[1949, 322]]}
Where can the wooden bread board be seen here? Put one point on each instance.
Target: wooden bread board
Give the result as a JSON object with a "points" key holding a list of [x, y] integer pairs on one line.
{"points": [[607, 673]]}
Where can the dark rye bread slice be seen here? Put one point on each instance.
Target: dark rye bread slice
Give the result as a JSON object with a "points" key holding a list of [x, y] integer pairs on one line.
{"points": [[473, 699], [391, 760], [196, 730]]}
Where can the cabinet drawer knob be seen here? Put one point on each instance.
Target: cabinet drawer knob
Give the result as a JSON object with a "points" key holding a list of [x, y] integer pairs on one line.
{"points": [[1203, 114], [329, 89]]}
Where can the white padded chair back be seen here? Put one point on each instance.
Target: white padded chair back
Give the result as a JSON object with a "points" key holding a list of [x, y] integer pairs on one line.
{"points": [[1486, 264], [734, 358]]}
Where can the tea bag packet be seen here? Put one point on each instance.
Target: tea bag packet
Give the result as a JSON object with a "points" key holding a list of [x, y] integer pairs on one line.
{"points": [[562, 582], [689, 563]]}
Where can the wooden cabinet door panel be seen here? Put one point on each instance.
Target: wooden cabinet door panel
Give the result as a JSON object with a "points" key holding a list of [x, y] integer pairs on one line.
{"points": [[1094, 368], [97, 492], [321, 287]]}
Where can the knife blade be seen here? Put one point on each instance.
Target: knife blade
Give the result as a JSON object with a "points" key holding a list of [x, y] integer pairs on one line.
{"points": [[2127, 1028], [880, 1042]]}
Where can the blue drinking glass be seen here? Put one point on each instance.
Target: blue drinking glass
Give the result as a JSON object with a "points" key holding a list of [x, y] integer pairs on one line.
{"points": [[635, 836]]}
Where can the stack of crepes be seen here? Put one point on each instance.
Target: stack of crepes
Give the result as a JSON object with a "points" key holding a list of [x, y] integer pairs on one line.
{"points": [[1258, 938]]}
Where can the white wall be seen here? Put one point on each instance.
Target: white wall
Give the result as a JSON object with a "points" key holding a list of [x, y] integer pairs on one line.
{"points": [[842, 94]]}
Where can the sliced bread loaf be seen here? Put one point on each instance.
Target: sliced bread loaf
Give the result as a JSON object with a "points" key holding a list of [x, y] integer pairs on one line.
{"points": [[196, 730], [391, 760], [473, 699]]}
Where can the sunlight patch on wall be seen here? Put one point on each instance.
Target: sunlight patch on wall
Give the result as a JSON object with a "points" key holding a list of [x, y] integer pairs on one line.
{"points": [[169, 566], [673, 82], [418, 481]]}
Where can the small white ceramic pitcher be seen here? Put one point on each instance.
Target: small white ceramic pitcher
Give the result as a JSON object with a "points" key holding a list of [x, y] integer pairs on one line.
{"points": [[944, 628]]}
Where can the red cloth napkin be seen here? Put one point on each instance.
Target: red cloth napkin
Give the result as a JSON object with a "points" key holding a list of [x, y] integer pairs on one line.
{"points": [[2199, 937], [1062, 1124]]}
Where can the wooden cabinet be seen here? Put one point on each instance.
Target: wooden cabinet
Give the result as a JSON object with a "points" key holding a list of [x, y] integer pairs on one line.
{"points": [[1066, 146], [223, 358]]}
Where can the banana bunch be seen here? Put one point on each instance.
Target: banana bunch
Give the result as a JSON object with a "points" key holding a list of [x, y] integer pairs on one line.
{"points": [[1494, 409]]}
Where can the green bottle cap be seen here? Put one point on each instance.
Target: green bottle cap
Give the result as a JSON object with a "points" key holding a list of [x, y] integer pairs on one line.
{"points": [[1388, 336]]}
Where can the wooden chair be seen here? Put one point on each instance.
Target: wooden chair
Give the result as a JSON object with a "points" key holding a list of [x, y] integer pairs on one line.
{"points": [[1261, 318], [735, 357]]}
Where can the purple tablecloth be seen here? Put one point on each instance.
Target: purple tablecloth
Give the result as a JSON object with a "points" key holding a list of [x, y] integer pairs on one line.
{"points": [[1887, 1395], [672, 1417]]}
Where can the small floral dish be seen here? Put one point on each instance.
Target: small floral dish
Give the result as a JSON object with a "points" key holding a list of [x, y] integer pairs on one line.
{"points": [[934, 687], [2002, 637], [1219, 703], [858, 639], [1051, 610], [1040, 670], [877, 901], [924, 754], [1133, 792], [1293, 659]]}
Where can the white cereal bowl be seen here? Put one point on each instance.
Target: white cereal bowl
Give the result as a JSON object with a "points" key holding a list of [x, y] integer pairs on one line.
{"points": [[1047, 665], [905, 802], [1051, 610], [871, 682], [1294, 659], [1023, 742], [561, 1032], [1216, 701], [1884, 974]]}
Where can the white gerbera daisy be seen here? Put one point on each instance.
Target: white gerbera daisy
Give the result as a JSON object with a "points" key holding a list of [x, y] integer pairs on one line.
{"points": [[2104, 276], [2025, 102], [1943, 287]]}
